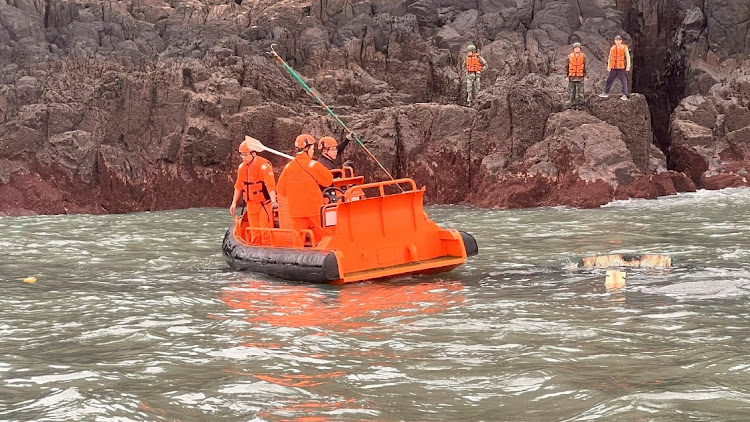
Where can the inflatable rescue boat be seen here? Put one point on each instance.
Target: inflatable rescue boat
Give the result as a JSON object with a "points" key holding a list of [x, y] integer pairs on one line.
{"points": [[372, 231]]}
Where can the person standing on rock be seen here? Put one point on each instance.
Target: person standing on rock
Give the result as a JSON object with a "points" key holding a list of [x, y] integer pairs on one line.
{"points": [[576, 76], [618, 66], [475, 63], [330, 149], [256, 183], [299, 189]]}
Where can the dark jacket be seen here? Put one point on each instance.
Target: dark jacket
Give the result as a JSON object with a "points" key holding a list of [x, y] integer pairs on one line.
{"points": [[327, 162]]}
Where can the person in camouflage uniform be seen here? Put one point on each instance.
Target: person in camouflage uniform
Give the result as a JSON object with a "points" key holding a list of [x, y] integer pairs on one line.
{"points": [[474, 66], [576, 76]]}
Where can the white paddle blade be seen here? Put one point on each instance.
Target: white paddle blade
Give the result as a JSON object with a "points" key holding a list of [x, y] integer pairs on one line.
{"points": [[259, 145], [255, 144]]}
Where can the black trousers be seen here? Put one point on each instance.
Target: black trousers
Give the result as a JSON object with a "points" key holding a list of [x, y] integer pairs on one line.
{"points": [[619, 74]]}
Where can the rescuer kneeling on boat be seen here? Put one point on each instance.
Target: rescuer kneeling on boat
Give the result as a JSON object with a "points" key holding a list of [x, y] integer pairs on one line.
{"points": [[330, 149], [299, 185], [256, 183]]}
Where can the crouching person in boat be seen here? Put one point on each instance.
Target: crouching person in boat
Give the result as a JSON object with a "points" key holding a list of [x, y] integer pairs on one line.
{"points": [[256, 184], [299, 189]]}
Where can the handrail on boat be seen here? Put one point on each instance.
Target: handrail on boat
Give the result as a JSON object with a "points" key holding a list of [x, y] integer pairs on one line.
{"points": [[381, 187], [344, 172]]}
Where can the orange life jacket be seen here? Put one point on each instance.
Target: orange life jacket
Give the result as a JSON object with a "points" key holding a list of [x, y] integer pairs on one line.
{"points": [[576, 62], [617, 58], [300, 184], [255, 180], [473, 64]]}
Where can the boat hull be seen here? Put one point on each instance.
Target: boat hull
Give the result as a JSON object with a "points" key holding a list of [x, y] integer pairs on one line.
{"points": [[321, 266]]}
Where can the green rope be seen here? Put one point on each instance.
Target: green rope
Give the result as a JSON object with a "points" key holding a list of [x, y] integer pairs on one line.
{"points": [[320, 101]]}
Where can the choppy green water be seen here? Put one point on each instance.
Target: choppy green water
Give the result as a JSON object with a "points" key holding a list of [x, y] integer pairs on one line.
{"points": [[136, 317]]}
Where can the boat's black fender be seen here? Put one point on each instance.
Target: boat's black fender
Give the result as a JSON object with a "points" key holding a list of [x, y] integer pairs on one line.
{"points": [[470, 244], [308, 265]]}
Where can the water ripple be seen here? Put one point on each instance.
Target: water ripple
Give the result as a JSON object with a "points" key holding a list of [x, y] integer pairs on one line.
{"points": [[136, 325]]}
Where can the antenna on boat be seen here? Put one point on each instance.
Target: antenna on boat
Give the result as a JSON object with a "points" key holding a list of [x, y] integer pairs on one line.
{"points": [[316, 96]]}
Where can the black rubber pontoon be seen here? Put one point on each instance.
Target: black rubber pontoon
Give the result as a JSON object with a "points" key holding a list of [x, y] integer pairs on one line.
{"points": [[307, 265]]}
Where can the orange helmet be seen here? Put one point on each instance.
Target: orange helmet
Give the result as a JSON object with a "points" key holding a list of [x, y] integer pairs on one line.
{"points": [[326, 142], [303, 141]]}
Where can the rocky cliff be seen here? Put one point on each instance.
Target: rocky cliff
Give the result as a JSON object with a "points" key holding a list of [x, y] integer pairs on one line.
{"points": [[116, 106]]}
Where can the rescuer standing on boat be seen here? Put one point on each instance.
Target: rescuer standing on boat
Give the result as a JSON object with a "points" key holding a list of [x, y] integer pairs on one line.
{"points": [[299, 186], [330, 149], [256, 184]]}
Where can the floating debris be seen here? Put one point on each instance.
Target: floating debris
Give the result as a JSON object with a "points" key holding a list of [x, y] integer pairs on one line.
{"points": [[627, 260], [615, 280], [30, 280]]}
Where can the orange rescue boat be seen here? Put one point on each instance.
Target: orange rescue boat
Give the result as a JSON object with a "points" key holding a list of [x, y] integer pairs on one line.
{"points": [[372, 231]]}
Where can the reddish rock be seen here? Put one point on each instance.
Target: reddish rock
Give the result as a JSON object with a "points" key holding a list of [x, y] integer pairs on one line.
{"points": [[740, 167], [647, 187], [686, 160], [681, 182], [722, 181], [513, 192], [29, 193], [540, 191], [574, 192]]}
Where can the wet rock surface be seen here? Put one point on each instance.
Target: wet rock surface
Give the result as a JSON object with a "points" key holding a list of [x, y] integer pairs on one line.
{"points": [[140, 105]]}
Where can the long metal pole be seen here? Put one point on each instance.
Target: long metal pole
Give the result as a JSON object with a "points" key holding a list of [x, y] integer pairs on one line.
{"points": [[320, 101]]}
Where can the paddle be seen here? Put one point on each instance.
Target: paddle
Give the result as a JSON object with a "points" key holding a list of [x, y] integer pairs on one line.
{"points": [[259, 145]]}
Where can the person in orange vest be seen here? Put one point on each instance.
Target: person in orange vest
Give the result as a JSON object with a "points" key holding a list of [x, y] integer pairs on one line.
{"points": [[618, 66], [330, 149], [475, 64], [576, 76], [256, 184], [299, 187]]}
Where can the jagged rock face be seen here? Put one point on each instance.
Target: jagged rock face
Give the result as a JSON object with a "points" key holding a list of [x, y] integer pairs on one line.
{"points": [[573, 166], [135, 105], [698, 76], [711, 139]]}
